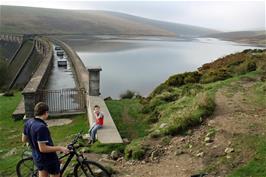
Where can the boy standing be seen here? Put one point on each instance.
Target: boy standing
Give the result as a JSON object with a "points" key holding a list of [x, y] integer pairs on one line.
{"points": [[37, 134], [97, 125]]}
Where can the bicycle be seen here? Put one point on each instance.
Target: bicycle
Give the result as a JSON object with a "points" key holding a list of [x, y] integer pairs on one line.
{"points": [[26, 168]]}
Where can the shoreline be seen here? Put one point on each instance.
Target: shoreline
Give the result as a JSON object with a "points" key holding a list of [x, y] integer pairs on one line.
{"points": [[82, 37]]}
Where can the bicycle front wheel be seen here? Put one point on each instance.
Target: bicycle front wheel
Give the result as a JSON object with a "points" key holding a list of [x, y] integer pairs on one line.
{"points": [[26, 168], [90, 169]]}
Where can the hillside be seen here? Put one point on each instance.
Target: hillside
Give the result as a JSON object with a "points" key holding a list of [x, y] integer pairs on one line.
{"points": [[248, 37], [181, 30], [53, 21]]}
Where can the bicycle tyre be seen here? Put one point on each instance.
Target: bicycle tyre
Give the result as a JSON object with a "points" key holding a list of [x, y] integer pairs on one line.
{"points": [[30, 167], [91, 166]]}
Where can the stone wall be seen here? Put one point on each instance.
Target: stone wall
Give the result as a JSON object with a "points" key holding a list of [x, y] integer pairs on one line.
{"points": [[39, 78], [18, 63]]}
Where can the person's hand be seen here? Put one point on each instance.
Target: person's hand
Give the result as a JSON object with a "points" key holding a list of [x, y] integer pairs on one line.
{"points": [[64, 150]]}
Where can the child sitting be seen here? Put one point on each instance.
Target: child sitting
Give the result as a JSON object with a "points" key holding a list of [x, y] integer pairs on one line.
{"points": [[97, 125]]}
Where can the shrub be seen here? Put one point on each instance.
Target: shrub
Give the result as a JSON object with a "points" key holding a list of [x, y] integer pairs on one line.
{"points": [[185, 78], [158, 90], [152, 104], [168, 96], [247, 66], [175, 80], [191, 89], [215, 75], [206, 102], [192, 77], [251, 66], [135, 150], [155, 134], [127, 95], [184, 114]]}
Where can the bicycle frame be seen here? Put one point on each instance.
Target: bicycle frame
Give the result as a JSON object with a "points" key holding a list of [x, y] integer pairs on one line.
{"points": [[72, 153]]}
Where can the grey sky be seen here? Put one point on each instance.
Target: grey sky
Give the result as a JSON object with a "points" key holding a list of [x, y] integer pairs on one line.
{"points": [[221, 15]]}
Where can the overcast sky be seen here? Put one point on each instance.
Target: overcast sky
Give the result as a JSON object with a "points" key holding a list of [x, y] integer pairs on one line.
{"points": [[220, 15]]}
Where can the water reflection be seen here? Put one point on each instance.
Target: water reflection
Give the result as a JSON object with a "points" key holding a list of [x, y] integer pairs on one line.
{"points": [[141, 65]]}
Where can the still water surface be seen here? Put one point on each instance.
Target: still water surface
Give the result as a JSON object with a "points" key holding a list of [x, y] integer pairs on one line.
{"points": [[141, 65]]}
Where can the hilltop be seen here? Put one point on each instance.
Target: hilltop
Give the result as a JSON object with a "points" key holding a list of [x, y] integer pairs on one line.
{"points": [[15, 19]]}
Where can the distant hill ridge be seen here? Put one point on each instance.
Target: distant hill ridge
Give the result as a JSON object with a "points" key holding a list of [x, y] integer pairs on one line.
{"points": [[17, 19]]}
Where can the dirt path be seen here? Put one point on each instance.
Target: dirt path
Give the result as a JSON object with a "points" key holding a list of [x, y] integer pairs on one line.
{"points": [[129, 120], [187, 155]]}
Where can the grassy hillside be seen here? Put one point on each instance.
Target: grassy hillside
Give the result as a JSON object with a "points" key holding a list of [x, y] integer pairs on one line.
{"points": [[54, 21], [181, 30], [248, 37], [184, 100], [49, 21]]}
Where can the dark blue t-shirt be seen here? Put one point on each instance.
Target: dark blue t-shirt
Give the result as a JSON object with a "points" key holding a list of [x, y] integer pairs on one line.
{"points": [[36, 130]]}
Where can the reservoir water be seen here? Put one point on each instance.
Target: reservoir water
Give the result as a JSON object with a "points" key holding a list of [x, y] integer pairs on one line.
{"points": [[141, 65]]}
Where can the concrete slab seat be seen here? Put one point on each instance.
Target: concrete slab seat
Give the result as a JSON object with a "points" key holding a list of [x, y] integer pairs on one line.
{"points": [[109, 133]]}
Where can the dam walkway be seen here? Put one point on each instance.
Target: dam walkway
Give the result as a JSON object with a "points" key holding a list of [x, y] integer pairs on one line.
{"points": [[80, 98]]}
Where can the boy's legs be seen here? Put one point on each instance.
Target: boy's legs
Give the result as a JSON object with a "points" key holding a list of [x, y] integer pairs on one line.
{"points": [[94, 131], [92, 127]]}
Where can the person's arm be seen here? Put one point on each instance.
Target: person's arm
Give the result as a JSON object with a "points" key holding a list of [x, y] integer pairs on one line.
{"points": [[24, 138], [42, 137], [44, 148]]}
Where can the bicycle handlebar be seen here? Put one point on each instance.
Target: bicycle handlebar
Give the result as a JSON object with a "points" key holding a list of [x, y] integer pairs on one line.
{"points": [[75, 140]]}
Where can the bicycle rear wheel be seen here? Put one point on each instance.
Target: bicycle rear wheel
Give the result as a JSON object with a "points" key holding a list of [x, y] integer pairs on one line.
{"points": [[90, 169], [26, 168]]}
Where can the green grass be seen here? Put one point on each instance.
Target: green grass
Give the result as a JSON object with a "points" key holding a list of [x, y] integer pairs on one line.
{"points": [[136, 149], [64, 134], [10, 135], [128, 118], [99, 148], [258, 95], [256, 166]]}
